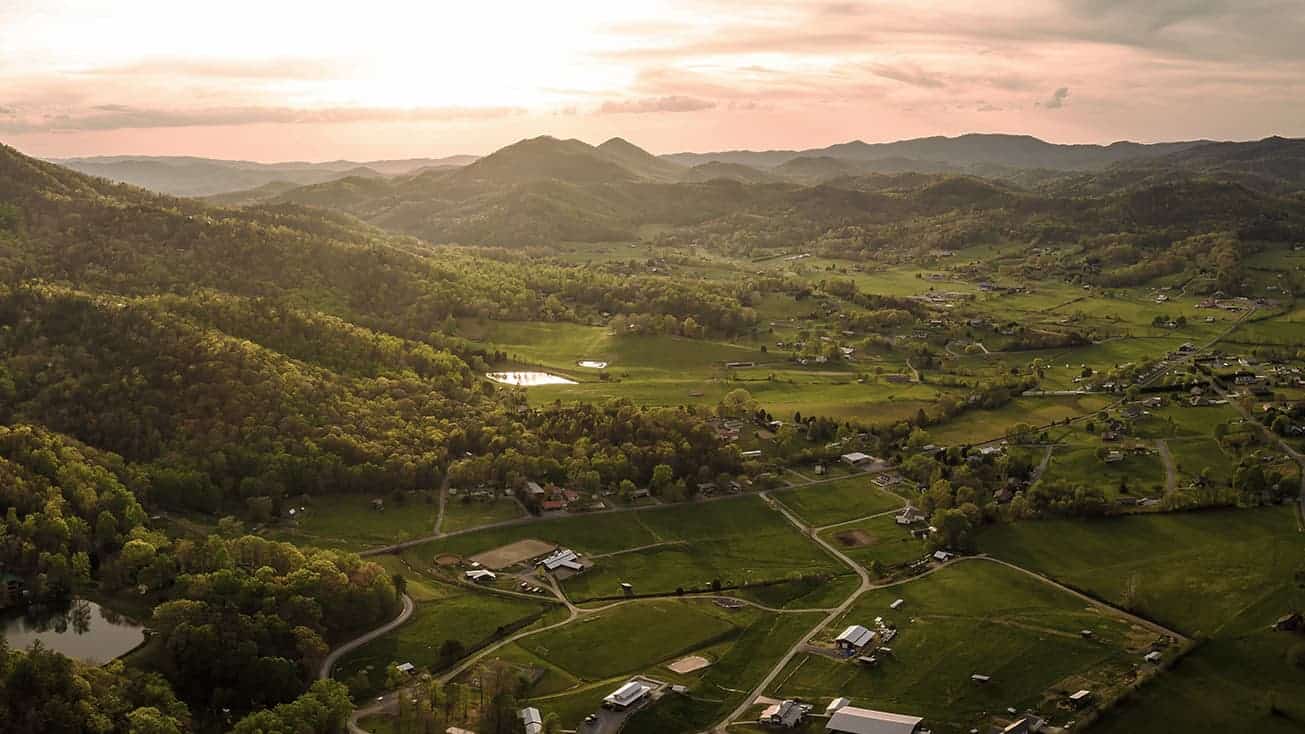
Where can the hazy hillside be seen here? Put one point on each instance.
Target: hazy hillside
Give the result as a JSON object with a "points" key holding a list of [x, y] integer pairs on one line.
{"points": [[190, 176], [1017, 151], [640, 162], [544, 191]]}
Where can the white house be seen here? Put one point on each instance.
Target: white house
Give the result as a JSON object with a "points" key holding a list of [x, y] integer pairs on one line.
{"points": [[627, 695], [854, 638], [854, 720]]}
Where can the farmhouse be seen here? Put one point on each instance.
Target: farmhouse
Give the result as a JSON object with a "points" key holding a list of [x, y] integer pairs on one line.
{"points": [[854, 638], [854, 720], [787, 713], [531, 720], [562, 558], [909, 515], [626, 696]]}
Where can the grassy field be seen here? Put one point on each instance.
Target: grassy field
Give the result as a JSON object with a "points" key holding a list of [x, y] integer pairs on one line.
{"points": [[838, 501], [349, 522], [877, 539], [459, 515], [1225, 576], [982, 425], [633, 637], [737, 541], [737, 668], [1079, 466], [468, 617], [972, 617]]}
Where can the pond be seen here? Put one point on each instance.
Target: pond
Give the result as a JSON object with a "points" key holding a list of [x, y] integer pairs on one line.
{"points": [[528, 379], [83, 630]]}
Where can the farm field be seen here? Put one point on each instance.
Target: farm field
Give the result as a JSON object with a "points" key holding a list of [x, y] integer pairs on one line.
{"points": [[1134, 476], [1223, 575], [878, 539], [466, 617], [973, 617], [348, 522], [838, 501], [635, 636], [737, 541], [460, 515], [974, 426]]}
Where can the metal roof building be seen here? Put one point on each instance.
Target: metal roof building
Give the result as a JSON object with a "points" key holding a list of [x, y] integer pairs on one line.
{"points": [[565, 558], [627, 695], [853, 720], [533, 722], [854, 636]]}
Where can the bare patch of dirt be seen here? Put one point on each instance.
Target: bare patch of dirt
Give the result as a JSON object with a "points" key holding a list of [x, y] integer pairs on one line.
{"points": [[855, 539], [512, 553]]}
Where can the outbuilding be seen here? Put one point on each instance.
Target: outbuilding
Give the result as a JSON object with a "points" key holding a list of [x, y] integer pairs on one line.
{"points": [[531, 720], [854, 637], [627, 695], [855, 720]]}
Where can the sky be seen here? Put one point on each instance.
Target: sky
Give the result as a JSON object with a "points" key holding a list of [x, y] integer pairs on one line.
{"points": [[286, 80]]}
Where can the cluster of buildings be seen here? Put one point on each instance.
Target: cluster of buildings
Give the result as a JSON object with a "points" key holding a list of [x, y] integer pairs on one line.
{"points": [[844, 718]]}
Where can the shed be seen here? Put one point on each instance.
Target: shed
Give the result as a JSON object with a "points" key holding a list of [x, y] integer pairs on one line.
{"points": [[1152, 657], [1081, 697], [854, 637], [856, 458], [835, 705], [979, 678], [627, 695], [404, 667], [854, 720], [897, 604]]}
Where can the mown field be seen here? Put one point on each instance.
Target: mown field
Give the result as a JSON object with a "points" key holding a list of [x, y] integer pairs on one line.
{"points": [[348, 522], [468, 617], [878, 539], [1222, 576], [838, 501], [972, 617]]}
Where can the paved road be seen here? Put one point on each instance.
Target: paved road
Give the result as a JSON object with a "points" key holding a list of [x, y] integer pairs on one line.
{"points": [[325, 671], [833, 614]]}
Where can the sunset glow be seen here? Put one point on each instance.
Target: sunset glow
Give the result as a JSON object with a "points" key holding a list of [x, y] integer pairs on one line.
{"points": [[278, 81]]}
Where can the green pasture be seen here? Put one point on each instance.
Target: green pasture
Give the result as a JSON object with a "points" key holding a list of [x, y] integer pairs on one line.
{"points": [[470, 618], [838, 501], [348, 522], [1224, 576], [878, 539], [1140, 475], [464, 512], [971, 618]]}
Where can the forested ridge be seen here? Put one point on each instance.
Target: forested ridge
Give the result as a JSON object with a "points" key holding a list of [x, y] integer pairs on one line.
{"points": [[158, 355]]}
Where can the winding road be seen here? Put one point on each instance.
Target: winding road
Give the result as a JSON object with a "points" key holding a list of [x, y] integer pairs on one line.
{"points": [[325, 671]]}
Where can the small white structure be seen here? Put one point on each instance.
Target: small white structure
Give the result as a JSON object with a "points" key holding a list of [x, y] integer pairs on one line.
{"points": [[856, 458], [1081, 698], [535, 490], [979, 678], [627, 695], [854, 638], [787, 714], [564, 558], [1152, 657], [531, 719], [854, 720], [404, 667], [897, 604], [481, 576], [836, 704], [942, 556]]}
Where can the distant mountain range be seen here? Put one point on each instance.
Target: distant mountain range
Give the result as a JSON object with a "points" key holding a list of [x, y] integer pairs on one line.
{"points": [[1272, 165], [190, 176]]}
